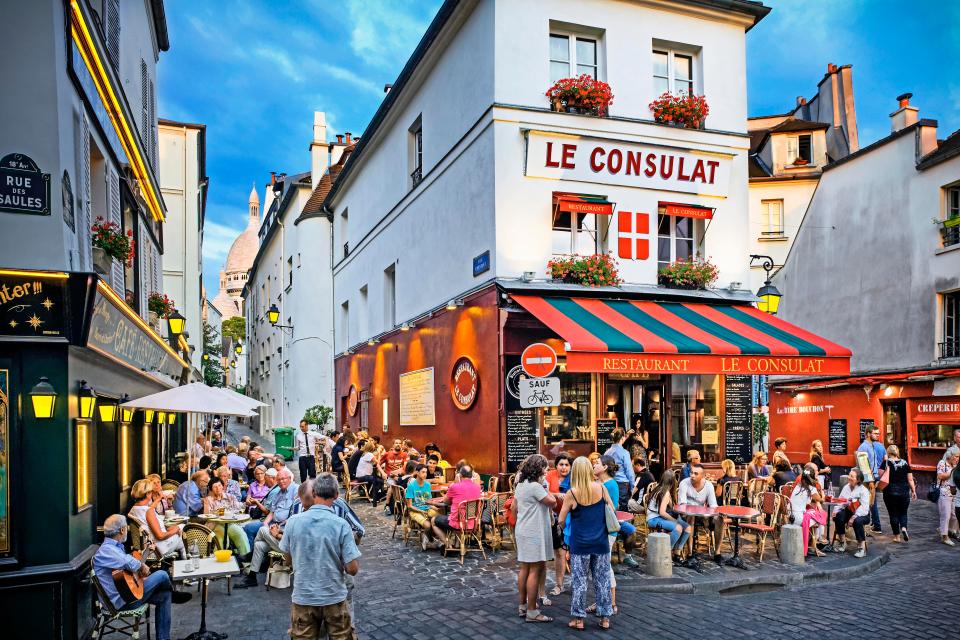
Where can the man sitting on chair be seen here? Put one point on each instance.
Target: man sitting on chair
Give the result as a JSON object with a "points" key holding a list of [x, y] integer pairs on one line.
{"points": [[157, 588], [463, 490], [285, 504], [699, 491]]}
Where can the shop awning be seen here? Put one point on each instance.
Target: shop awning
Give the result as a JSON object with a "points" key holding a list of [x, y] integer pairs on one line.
{"points": [[643, 336], [582, 203], [685, 210]]}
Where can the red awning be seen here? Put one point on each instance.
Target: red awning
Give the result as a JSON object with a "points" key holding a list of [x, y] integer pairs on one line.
{"points": [[643, 336], [582, 203], [685, 210]]}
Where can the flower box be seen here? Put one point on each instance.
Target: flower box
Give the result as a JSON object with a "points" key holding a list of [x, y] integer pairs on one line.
{"points": [[110, 238], [598, 270], [102, 262], [583, 94], [684, 110], [688, 274]]}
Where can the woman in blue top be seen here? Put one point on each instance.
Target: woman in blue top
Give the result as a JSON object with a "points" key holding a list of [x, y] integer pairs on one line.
{"points": [[589, 546]]}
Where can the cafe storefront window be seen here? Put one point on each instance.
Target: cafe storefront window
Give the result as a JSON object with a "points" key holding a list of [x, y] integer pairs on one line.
{"points": [[694, 416], [572, 419]]}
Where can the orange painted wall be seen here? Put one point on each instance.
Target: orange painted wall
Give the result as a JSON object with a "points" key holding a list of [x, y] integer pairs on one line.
{"points": [[471, 330]]}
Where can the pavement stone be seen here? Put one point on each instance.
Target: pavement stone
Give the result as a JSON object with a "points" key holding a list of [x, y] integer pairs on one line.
{"points": [[403, 593]]}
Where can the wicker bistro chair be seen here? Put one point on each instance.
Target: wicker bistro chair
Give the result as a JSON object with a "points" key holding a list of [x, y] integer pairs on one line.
{"points": [[350, 486], [469, 515], [498, 521], [207, 542], [169, 485], [754, 487], [492, 484], [732, 494], [449, 474], [111, 620], [770, 505], [401, 519]]}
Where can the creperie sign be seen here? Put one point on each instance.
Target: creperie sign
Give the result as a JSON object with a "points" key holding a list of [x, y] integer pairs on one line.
{"points": [[627, 164]]}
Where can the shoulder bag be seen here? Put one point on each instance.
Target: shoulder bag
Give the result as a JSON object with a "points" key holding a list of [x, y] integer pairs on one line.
{"points": [[609, 514], [884, 479]]}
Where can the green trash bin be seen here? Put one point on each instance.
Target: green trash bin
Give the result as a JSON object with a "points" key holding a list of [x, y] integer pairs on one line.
{"points": [[283, 440]]}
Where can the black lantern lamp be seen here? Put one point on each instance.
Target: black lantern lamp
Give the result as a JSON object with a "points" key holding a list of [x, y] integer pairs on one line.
{"points": [[175, 323], [171, 418], [43, 397], [126, 413], [273, 314], [769, 296], [108, 411], [238, 349], [88, 400], [148, 416]]}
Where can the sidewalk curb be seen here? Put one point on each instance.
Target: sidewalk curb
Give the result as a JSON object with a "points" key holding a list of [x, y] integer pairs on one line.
{"points": [[788, 580]]}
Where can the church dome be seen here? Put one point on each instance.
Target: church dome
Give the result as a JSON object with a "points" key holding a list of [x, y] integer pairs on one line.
{"points": [[244, 248]]}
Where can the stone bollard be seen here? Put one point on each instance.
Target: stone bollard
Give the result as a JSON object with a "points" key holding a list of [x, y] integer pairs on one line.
{"points": [[791, 544], [659, 560]]}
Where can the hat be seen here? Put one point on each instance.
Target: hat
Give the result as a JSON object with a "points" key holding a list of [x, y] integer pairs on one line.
{"points": [[272, 472]]}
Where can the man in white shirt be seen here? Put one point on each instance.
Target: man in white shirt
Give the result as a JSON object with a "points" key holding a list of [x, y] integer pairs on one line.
{"points": [[697, 490], [304, 443], [199, 449]]}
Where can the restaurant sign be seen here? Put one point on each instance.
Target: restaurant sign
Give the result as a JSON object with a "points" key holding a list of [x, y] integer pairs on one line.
{"points": [[116, 335], [630, 164], [607, 362], [23, 187], [33, 305], [935, 410]]}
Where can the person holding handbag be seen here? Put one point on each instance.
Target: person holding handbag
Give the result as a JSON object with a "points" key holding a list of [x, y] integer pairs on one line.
{"points": [[948, 493], [532, 506], [898, 489], [587, 503]]}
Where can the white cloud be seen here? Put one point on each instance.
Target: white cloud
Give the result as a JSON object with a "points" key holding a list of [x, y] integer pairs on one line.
{"points": [[281, 61], [385, 31], [345, 75], [217, 239]]}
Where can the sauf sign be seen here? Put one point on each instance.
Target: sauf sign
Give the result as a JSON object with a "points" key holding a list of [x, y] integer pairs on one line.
{"points": [[628, 164]]}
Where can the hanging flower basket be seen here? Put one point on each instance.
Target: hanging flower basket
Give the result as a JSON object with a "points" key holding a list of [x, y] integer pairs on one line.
{"points": [[598, 270], [160, 304], [684, 110], [583, 94], [688, 274], [109, 237]]}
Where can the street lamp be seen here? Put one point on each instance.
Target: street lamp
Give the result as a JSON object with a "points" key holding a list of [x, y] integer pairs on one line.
{"points": [[108, 411], [233, 363], [768, 294], [238, 349], [126, 413], [88, 400], [175, 323], [206, 357], [148, 416], [43, 397], [273, 314], [171, 418]]}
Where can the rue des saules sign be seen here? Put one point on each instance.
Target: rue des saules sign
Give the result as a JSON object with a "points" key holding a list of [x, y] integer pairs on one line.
{"points": [[629, 164], [23, 187]]}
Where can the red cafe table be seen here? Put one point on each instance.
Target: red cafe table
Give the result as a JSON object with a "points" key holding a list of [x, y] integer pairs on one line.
{"points": [[696, 512], [736, 514], [830, 503]]}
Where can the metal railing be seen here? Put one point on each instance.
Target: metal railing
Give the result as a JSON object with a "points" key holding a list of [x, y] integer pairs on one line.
{"points": [[950, 349], [950, 235], [416, 177]]}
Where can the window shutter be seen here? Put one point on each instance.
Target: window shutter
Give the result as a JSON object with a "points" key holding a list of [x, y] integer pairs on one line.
{"points": [[792, 150], [143, 255], [112, 29], [84, 236], [155, 272], [144, 105], [113, 206], [154, 142]]}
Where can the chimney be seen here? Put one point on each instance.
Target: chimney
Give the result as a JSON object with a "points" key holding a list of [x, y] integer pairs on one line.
{"points": [[273, 177], [831, 68], [801, 101], [339, 138], [905, 115], [348, 136], [319, 159], [387, 87]]}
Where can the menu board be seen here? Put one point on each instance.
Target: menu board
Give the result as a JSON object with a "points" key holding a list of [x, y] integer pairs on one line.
{"points": [[837, 435], [738, 418], [523, 436], [605, 429], [417, 398], [866, 423]]}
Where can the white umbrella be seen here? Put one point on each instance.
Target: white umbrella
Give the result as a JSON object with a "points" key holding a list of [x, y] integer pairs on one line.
{"points": [[240, 398], [194, 398]]}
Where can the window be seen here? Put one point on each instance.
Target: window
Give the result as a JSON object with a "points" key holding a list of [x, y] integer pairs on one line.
{"points": [[950, 347], [345, 323], [390, 297], [416, 152], [580, 233], [677, 239], [344, 220], [805, 148], [800, 148], [772, 212], [289, 272], [363, 324], [672, 72], [694, 418], [571, 420], [572, 55], [953, 202]]}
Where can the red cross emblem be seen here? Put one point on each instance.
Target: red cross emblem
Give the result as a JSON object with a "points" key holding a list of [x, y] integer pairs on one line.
{"points": [[633, 230]]}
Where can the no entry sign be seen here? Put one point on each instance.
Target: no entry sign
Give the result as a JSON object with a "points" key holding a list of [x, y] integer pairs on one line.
{"points": [[538, 360]]}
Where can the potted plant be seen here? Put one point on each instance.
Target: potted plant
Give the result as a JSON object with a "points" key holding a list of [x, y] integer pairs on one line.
{"points": [[583, 94], [684, 110], [800, 162], [598, 270], [688, 274], [761, 427], [158, 306], [109, 243]]}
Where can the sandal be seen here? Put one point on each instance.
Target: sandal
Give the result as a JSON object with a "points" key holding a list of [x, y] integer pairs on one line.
{"points": [[556, 591], [523, 610], [604, 623], [539, 618], [545, 601], [576, 623]]}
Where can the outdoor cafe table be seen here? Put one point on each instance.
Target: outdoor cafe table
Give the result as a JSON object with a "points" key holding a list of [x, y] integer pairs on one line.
{"points": [[225, 520], [624, 516], [736, 514], [697, 512], [209, 568], [439, 500], [830, 504]]}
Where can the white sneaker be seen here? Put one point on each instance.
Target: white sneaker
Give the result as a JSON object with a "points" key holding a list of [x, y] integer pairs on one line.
{"points": [[949, 542], [861, 553], [424, 541]]}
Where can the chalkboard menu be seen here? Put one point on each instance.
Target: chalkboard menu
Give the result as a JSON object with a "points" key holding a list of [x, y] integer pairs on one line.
{"points": [[605, 428], [837, 434], [866, 423], [523, 436], [738, 418]]}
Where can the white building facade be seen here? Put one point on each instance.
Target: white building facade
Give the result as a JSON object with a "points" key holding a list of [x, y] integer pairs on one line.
{"points": [[289, 366], [184, 183]]}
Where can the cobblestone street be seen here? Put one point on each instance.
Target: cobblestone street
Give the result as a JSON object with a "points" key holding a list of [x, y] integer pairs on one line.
{"points": [[403, 593]]}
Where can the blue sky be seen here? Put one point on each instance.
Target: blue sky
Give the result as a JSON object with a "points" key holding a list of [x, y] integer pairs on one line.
{"points": [[255, 73]]}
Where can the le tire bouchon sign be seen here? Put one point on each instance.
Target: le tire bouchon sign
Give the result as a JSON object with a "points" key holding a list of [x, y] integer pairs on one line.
{"points": [[23, 187]]}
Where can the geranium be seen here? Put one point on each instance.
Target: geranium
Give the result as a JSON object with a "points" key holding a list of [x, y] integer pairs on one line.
{"points": [[688, 274], [583, 91], [109, 237], [598, 270], [684, 109], [160, 304]]}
